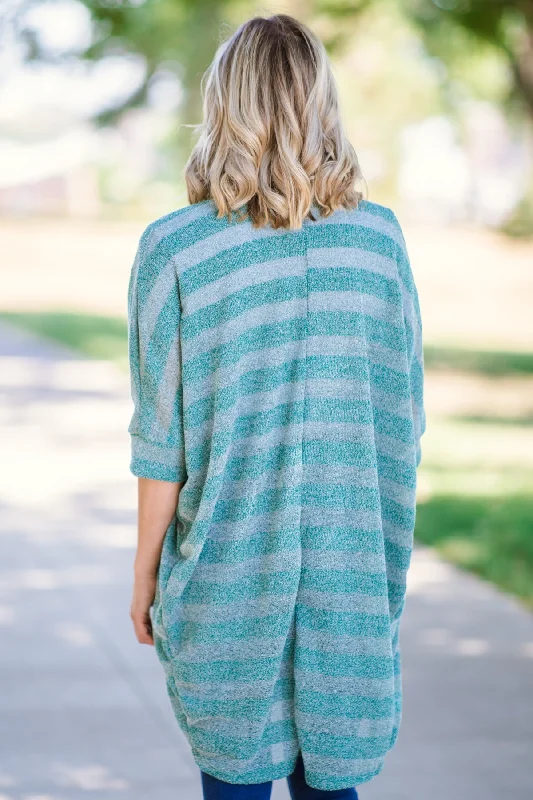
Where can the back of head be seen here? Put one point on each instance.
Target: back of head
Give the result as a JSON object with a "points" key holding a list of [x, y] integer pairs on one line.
{"points": [[271, 139]]}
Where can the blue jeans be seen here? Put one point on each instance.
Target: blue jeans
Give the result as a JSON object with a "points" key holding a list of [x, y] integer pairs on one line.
{"points": [[214, 789]]}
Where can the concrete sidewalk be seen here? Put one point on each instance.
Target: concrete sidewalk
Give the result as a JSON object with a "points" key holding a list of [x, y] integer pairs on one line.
{"points": [[83, 707]]}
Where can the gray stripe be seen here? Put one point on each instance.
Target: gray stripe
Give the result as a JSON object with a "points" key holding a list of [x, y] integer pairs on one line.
{"points": [[248, 275], [240, 609], [377, 223], [236, 690], [236, 767], [162, 228], [148, 451], [240, 727], [344, 517], [159, 294], [293, 392], [289, 560], [404, 495], [350, 645], [351, 257], [344, 601], [168, 390], [363, 728], [281, 518], [353, 300], [215, 244], [283, 561], [267, 313], [338, 767], [353, 687], [237, 650], [228, 374]]}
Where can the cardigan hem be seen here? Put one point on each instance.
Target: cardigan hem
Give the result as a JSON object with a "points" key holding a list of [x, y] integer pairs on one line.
{"points": [[142, 468], [284, 770]]}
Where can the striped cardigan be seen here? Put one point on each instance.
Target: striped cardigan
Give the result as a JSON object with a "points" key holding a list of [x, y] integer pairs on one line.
{"points": [[279, 374]]}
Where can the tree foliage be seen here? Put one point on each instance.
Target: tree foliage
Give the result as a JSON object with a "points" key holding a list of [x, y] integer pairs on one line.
{"points": [[507, 24], [181, 35], [504, 24]]}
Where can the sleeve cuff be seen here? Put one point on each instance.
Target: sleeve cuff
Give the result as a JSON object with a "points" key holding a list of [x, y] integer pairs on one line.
{"points": [[156, 461]]}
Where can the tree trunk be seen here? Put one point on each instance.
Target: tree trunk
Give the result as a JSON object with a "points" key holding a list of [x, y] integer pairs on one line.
{"points": [[522, 66]]}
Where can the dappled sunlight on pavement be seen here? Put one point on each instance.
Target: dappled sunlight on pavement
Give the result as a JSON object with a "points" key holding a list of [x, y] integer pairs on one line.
{"points": [[83, 708], [467, 727]]}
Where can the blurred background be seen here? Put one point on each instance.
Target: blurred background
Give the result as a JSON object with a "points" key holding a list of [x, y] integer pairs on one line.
{"points": [[98, 103]]}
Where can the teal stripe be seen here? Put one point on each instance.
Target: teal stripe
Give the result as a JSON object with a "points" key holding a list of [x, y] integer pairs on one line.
{"points": [[268, 248], [271, 583], [142, 468], [343, 581], [253, 505], [262, 774], [250, 709], [325, 537], [234, 305], [395, 470], [257, 380], [262, 543], [327, 744], [397, 555], [332, 409], [343, 706], [239, 746], [353, 454], [392, 425], [252, 340], [236, 258], [353, 279], [358, 369], [153, 363], [316, 495], [363, 326], [343, 623], [275, 458], [330, 495], [399, 515], [233, 630], [230, 671], [340, 665], [331, 783]]}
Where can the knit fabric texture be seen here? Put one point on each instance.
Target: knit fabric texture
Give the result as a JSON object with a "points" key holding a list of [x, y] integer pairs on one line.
{"points": [[279, 375]]}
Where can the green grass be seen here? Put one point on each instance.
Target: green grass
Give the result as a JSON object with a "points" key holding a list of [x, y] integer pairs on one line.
{"points": [[525, 421], [476, 494], [95, 336], [491, 536], [478, 362]]}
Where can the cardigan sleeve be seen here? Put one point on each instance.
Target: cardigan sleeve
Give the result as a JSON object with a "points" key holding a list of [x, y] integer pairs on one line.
{"points": [[413, 329], [154, 313]]}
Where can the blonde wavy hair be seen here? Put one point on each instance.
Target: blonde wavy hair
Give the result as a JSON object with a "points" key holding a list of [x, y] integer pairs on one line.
{"points": [[271, 143]]}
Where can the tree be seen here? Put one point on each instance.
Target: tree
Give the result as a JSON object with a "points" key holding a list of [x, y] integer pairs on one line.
{"points": [[504, 24], [183, 34], [176, 35]]}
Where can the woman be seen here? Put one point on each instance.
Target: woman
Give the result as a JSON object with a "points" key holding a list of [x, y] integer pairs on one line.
{"points": [[276, 361]]}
